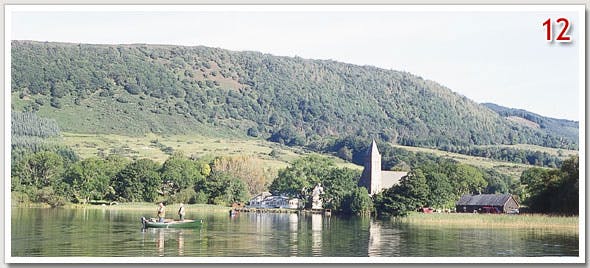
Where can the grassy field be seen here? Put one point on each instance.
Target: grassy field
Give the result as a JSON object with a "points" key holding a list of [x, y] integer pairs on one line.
{"points": [[155, 147], [493, 220], [509, 168], [512, 169], [562, 153], [158, 147]]}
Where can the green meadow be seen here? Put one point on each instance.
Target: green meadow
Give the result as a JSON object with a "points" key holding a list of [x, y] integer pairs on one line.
{"points": [[159, 147], [273, 155], [509, 168]]}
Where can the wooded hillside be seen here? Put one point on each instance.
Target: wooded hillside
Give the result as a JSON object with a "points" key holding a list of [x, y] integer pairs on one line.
{"points": [[135, 89]]}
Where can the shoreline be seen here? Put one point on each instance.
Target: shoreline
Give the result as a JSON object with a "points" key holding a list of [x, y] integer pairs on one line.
{"points": [[130, 206], [464, 220]]}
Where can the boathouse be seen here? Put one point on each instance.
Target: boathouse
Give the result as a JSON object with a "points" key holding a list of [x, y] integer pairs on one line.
{"points": [[486, 203]]}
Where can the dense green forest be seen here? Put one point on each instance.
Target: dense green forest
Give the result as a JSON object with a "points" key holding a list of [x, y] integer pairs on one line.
{"points": [[557, 127], [31, 134], [136, 89], [553, 190]]}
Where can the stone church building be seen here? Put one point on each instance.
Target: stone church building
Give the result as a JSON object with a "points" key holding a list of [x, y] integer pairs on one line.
{"points": [[375, 179]]}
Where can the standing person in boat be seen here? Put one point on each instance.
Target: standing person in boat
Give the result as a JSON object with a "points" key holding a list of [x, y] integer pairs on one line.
{"points": [[181, 212], [161, 212]]}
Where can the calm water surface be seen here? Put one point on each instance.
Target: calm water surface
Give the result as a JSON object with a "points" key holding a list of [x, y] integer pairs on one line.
{"points": [[118, 233]]}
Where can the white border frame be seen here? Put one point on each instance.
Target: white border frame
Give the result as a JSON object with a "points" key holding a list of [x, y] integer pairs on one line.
{"points": [[579, 8]]}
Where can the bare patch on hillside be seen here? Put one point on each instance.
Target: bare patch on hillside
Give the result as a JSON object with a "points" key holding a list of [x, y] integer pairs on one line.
{"points": [[523, 121]]}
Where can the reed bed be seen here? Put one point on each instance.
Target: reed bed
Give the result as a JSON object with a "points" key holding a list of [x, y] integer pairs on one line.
{"points": [[205, 208], [493, 220]]}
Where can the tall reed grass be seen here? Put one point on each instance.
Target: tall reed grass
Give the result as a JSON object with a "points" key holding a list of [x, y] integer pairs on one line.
{"points": [[153, 207], [492, 220]]}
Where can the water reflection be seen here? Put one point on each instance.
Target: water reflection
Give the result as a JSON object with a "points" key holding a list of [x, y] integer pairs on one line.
{"points": [[293, 233], [180, 239], [316, 234], [99, 233], [374, 239], [160, 242], [385, 240], [165, 241]]}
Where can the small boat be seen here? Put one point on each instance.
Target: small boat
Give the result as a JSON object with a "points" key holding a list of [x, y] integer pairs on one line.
{"points": [[168, 223]]}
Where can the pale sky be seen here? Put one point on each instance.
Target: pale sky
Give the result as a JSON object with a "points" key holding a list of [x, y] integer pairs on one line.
{"points": [[487, 56]]}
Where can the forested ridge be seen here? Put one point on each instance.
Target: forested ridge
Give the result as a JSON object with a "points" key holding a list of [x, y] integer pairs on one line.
{"points": [[558, 127], [135, 89]]}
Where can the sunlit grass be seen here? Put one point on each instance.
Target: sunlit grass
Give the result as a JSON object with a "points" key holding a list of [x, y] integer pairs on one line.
{"points": [[88, 145], [562, 153], [152, 207], [570, 223], [512, 169]]}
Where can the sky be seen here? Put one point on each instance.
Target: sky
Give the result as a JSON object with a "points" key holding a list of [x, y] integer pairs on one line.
{"points": [[498, 55]]}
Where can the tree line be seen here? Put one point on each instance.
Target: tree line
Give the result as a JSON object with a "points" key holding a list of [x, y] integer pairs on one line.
{"points": [[553, 190], [439, 184], [436, 183], [46, 177], [341, 190]]}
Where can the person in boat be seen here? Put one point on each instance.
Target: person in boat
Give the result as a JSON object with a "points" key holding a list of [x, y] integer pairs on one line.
{"points": [[161, 212], [181, 212]]}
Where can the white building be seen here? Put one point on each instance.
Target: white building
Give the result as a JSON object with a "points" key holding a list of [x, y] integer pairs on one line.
{"points": [[257, 200], [267, 200]]}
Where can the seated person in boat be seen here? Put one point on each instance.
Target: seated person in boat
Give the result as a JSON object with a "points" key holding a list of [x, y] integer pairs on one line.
{"points": [[181, 212], [161, 212]]}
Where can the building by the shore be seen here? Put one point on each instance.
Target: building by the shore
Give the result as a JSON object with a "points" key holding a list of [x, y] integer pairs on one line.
{"points": [[267, 200], [487, 203]]}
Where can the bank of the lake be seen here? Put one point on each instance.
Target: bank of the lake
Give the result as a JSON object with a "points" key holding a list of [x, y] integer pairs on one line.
{"points": [[137, 206], [569, 223]]}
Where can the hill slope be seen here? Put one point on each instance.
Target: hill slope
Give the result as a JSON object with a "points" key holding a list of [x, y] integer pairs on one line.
{"points": [[552, 126], [137, 89]]}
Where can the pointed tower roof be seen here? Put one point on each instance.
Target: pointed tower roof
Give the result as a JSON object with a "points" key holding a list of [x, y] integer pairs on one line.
{"points": [[373, 148]]}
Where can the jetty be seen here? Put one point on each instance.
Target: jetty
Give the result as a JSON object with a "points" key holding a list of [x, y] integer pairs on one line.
{"points": [[326, 212]]}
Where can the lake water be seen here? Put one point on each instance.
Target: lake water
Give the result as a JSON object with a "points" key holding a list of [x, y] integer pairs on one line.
{"points": [[118, 233]]}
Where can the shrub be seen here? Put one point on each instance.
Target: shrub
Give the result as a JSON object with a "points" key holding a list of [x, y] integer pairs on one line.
{"points": [[184, 196]]}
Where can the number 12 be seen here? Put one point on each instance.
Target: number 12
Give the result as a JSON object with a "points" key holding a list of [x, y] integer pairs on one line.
{"points": [[562, 37]]}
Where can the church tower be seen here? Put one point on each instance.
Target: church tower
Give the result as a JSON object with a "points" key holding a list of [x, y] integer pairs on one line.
{"points": [[371, 178]]}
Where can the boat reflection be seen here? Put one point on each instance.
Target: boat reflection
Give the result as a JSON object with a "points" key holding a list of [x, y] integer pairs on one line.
{"points": [[160, 242], [167, 237]]}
